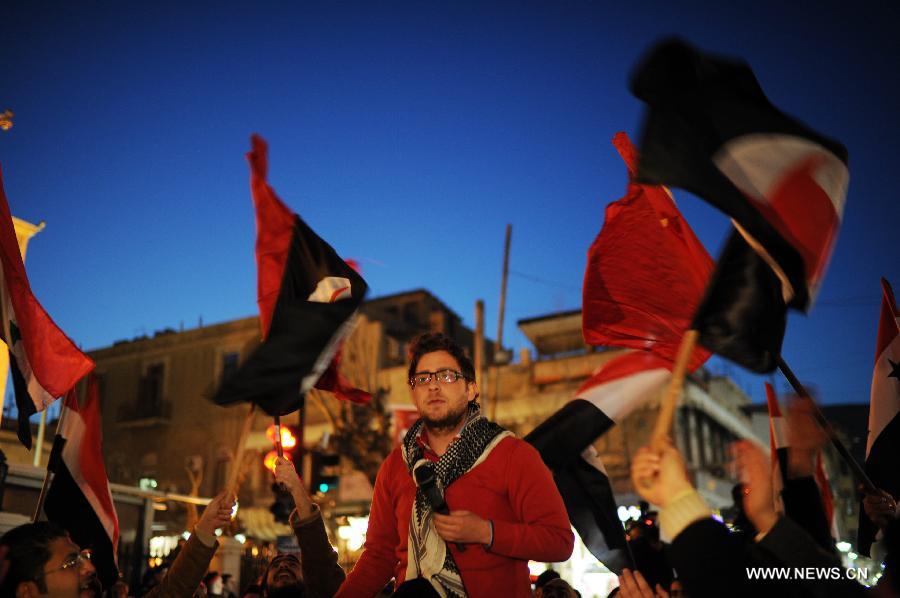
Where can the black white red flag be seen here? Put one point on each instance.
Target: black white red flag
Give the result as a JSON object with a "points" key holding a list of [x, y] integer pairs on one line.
{"points": [[307, 298], [79, 499], [709, 128], [44, 363], [883, 442], [565, 442]]}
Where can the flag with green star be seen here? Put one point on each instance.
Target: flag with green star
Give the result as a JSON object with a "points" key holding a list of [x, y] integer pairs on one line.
{"points": [[883, 443]]}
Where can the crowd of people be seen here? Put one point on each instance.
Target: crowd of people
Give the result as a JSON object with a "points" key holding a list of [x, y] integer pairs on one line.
{"points": [[462, 505]]}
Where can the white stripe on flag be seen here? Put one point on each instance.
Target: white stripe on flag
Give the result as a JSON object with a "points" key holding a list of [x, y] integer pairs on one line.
{"points": [[620, 396], [74, 431], [884, 404]]}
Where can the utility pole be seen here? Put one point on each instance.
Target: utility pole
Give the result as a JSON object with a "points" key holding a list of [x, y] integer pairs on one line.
{"points": [[498, 348], [479, 344]]}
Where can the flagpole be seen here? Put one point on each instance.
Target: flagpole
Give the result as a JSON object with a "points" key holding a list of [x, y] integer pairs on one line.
{"points": [[234, 478], [42, 431], [278, 448], [832, 435], [58, 443], [663, 426]]}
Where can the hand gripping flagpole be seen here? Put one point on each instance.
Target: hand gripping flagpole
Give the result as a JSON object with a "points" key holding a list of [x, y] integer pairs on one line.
{"points": [[278, 448], [855, 467]]}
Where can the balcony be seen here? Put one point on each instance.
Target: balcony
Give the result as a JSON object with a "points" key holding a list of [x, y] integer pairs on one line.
{"points": [[145, 413]]}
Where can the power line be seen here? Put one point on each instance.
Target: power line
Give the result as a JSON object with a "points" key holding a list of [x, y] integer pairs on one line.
{"points": [[544, 281]]}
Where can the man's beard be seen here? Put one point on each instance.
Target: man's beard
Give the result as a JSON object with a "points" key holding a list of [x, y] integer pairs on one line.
{"points": [[297, 590], [91, 588], [448, 422]]}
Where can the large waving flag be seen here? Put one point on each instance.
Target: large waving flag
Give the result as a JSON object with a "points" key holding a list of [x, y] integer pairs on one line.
{"points": [[79, 499], [565, 442], [646, 271], [45, 364], [307, 299], [883, 443], [710, 129]]}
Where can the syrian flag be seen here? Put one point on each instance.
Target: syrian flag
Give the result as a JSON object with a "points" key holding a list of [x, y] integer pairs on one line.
{"points": [[44, 363], [883, 443], [565, 442], [710, 129], [307, 299], [646, 271], [79, 499]]}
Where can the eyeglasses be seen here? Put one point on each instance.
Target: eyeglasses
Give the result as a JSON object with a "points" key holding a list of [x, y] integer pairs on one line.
{"points": [[76, 560], [445, 376]]}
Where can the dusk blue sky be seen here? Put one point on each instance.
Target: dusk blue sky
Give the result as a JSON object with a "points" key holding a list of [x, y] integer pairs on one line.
{"points": [[407, 134]]}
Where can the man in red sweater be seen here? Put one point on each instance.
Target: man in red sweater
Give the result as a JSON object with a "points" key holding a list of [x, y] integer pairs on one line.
{"points": [[504, 508]]}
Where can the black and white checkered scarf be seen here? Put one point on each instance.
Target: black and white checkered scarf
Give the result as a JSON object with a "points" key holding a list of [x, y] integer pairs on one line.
{"points": [[428, 556]]}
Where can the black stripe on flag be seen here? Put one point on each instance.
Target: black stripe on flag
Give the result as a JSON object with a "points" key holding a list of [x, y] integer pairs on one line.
{"points": [[23, 402], [743, 316], [881, 467], [67, 506], [562, 437], [586, 491]]}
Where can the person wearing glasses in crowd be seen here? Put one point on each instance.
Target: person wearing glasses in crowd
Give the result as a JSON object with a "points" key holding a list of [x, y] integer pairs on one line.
{"points": [[501, 506], [39, 559]]}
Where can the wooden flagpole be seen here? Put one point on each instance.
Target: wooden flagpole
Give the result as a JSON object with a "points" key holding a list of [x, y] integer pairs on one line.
{"points": [[669, 401], [48, 477], [278, 448], [234, 478], [855, 467]]}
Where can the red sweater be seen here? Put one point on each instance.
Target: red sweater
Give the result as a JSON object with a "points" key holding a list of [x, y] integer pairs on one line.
{"points": [[512, 487]]}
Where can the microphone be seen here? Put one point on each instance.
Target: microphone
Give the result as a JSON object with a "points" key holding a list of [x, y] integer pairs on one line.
{"points": [[426, 480]]}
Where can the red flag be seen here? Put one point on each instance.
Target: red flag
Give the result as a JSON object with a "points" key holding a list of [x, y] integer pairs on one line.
{"points": [[646, 271], [45, 364], [79, 498]]}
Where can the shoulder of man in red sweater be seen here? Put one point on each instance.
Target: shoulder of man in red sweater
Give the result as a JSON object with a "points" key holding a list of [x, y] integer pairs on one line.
{"points": [[541, 531]]}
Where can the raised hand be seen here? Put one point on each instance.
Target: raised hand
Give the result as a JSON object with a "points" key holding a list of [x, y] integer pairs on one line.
{"points": [[217, 514], [659, 475]]}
